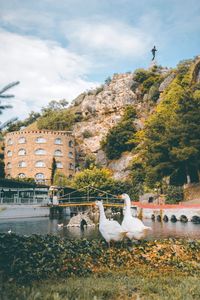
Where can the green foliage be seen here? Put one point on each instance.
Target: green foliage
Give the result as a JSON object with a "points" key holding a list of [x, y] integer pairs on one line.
{"points": [[56, 120], [25, 259], [87, 133], [137, 178], [99, 90], [149, 82], [174, 194], [171, 140], [2, 165], [17, 125], [108, 80], [89, 162], [119, 137], [26, 179], [98, 178], [53, 169], [60, 179], [141, 75]]}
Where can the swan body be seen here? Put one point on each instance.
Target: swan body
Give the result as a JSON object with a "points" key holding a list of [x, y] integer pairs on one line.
{"points": [[111, 230], [135, 228]]}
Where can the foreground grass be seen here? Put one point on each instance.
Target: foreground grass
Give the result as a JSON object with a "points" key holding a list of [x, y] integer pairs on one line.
{"points": [[138, 284], [52, 268]]}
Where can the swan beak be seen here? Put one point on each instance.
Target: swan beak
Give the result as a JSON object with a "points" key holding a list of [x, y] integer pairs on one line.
{"points": [[119, 196]]}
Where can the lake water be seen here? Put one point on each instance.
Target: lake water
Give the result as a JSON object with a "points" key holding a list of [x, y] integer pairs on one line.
{"points": [[43, 226]]}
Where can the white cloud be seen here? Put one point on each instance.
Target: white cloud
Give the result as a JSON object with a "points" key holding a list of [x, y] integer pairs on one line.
{"points": [[111, 38], [45, 70]]}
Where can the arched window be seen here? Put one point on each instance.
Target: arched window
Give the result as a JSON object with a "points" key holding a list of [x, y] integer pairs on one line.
{"points": [[9, 153], [9, 165], [59, 165], [39, 176], [40, 140], [22, 164], [21, 175], [40, 164], [71, 144], [22, 140], [71, 155], [22, 152], [58, 152], [40, 151], [10, 142], [71, 166], [58, 141]]}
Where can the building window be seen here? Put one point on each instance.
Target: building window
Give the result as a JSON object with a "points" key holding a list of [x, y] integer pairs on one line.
{"points": [[71, 144], [9, 153], [40, 140], [9, 166], [71, 155], [22, 140], [21, 175], [59, 165], [39, 176], [70, 176], [10, 142], [22, 164], [58, 141], [40, 164], [22, 152], [40, 152], [58, 153], [71, 166]]}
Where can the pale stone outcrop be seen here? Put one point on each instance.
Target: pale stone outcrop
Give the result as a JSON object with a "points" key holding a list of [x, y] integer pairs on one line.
{"points": [[76, 220]]}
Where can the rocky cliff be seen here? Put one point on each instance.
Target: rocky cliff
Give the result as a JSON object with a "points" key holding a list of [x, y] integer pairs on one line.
{"points": [[102, 108]]}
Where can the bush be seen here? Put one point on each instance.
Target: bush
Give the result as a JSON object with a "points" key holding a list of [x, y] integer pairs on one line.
{"points": [[87, 134], [174, 194], [118, 138], [141, 75]]}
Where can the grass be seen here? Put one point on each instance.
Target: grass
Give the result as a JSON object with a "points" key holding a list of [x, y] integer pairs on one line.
{"points": [[139, 284], [53, 268]]}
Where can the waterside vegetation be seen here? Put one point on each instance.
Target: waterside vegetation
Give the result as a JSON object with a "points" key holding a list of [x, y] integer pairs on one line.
{"points": [[153, 270]]}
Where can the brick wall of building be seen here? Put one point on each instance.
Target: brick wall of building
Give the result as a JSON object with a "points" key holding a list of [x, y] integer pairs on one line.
{"points": [[30, 154]]}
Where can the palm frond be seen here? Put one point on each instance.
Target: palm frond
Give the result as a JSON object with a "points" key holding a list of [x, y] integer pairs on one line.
{"points": [[7, 96], [9, 86]]}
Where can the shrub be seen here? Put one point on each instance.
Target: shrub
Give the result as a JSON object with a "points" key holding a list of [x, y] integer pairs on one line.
{"points": [[118, 138], [174, 194], [87, 134]]}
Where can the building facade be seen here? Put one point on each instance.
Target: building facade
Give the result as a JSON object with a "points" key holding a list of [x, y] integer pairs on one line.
{"points": [[30, 154]]}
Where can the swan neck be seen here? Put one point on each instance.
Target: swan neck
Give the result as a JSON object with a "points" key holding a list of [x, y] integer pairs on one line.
{"points": [[102, 213], [128, 207]]}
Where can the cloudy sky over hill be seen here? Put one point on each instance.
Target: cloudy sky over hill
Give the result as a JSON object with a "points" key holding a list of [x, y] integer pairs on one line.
{"points": [[58, 49]]}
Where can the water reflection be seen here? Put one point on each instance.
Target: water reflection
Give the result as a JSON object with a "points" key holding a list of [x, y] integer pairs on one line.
{"points": [[45, 226]]}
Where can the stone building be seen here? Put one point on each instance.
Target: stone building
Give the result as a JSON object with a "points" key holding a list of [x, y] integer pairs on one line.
{"points": [[30, 154]]}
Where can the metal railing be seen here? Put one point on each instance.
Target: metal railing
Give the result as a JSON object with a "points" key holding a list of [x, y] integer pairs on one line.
{"points": [[20, 200]]}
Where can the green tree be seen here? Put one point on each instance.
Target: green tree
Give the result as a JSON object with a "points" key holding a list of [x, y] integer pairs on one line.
{"points": [[60, 179], [119, 138], [171, 143], [53, 170]]}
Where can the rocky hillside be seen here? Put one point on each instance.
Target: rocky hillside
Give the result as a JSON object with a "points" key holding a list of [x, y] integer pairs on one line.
{"points": [[102, 108]]}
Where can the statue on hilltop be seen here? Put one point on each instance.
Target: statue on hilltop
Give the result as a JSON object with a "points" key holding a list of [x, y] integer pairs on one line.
{"points": [[154, 52]]}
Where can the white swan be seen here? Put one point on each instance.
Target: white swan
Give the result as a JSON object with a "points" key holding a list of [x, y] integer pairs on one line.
{"points": [[111, 230], [135, 228]]}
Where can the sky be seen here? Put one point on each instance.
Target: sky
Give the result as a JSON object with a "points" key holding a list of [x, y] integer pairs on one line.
{"points": [[59, 49]]}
